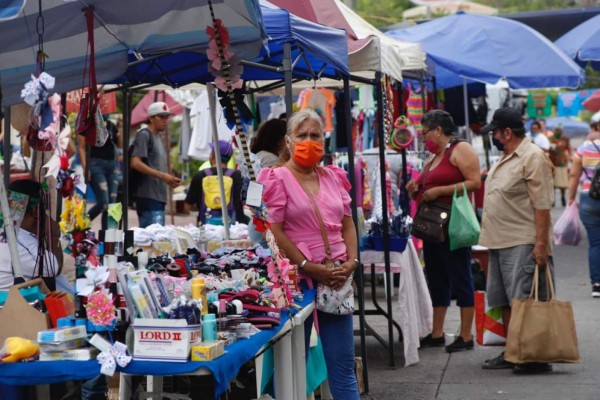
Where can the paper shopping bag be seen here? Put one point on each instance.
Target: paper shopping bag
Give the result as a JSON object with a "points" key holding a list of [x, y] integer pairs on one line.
{"points": [[541, 331], [488, 322]]}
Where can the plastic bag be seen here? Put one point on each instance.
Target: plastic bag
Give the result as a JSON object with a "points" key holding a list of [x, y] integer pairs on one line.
{"points": [[463, 228], [567, 230]]}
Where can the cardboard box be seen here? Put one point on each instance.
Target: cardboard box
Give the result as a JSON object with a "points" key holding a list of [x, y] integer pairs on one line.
{"points": [[164, 339], [208, 351], [18, 318]]}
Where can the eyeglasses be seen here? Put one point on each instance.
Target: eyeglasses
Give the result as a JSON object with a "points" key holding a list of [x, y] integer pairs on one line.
{"points": [[427, 131]]}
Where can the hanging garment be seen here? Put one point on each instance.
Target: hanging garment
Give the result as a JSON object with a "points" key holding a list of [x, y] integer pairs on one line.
{"points": [[276, 109], [414, 108], [568, 104], [185, 136], [323, 103], [202, 127], [539, 105]]}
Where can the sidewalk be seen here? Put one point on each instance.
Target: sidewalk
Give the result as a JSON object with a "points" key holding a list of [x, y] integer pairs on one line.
{"points": [[459, 376]]}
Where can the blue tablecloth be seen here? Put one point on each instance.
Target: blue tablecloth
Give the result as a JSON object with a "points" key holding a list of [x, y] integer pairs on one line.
{"points": [[224, 368]]}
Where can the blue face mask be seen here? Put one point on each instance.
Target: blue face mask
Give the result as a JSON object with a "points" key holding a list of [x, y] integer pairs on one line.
{"points": [[499, 145]]}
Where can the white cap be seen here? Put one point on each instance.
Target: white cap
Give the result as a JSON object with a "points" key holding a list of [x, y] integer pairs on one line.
{"points": [[595, 118], [158, 108]]}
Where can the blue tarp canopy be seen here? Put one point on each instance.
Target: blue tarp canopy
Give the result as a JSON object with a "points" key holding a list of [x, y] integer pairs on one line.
{"points": [[120, 27], [582, 43], [317, 49], [570, 126], [486, 48]]}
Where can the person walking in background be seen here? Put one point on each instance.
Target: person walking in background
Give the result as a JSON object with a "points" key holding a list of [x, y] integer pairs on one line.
{"points": [[584, 162], [538, 137], [149, 159], [299, 234], [594, 127], [204, 192], [452, 164], [560, 154], [269, 142], [102, 170], [268, 145], [516, 226]]}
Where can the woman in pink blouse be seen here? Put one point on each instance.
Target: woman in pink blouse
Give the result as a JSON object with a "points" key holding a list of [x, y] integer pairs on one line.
{"points": [[297, 231]]}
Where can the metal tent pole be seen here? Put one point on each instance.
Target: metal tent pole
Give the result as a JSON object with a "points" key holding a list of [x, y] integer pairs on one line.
{"points": [[210, 87], [126, 137], [6, 146], [359, 273], [466, 105], [287, 74]]}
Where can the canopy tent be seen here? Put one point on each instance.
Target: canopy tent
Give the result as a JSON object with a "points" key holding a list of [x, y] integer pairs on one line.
{"points": [[570, 126], [447, 7], [369, 49], [486, 48], [582, 43], [315, 50], [592, 103], [120, 27]]}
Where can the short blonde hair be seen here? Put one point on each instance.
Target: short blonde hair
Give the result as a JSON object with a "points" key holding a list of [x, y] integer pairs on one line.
{"points": [[298, 118]]}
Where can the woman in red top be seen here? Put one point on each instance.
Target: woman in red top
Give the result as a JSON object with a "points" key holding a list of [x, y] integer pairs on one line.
{"points": [[448, 273]]}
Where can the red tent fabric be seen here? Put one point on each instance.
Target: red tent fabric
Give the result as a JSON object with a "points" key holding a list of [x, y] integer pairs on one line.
{"points": [[592, 103], [325, 12], [139, 114]]}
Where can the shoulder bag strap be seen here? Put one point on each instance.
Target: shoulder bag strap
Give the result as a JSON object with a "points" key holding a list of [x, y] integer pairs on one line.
{"points": [[317, 213]]}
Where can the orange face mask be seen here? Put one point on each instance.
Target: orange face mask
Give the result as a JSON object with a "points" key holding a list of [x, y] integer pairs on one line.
{"points": [[308, 153]]}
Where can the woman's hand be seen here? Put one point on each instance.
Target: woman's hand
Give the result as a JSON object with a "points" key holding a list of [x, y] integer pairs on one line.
{"points": [[431, 194], [412, 187]]}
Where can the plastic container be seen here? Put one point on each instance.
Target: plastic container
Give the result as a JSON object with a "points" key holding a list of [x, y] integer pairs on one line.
{"points": [[209, 328], [396, 244]]}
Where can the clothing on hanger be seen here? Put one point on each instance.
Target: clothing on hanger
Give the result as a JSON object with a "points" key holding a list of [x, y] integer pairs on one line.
{"points": [[202, 127]]}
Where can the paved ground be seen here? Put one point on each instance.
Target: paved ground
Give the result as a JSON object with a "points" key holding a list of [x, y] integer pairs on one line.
{"points": [[459, 376]]}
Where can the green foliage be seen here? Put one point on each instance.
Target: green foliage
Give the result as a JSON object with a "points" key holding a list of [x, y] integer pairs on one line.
{"points": [[387, 12]]}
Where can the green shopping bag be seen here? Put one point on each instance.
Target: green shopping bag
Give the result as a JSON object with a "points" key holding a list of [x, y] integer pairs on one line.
{"points": [[316, 371], [463, 228]]}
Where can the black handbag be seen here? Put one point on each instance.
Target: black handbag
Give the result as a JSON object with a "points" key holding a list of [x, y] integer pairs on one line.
{"points": [[431, 221]]}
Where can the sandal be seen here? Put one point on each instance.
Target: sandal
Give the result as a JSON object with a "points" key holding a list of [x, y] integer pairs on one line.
{"points": [[497, 363]]}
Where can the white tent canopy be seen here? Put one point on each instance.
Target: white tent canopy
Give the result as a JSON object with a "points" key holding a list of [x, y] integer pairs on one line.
{"points": [[382, 53], [368, 48]]}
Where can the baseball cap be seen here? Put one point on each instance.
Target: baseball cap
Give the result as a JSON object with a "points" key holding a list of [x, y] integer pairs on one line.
{"points": [[226, 149], [506, 117], [158, 108]]}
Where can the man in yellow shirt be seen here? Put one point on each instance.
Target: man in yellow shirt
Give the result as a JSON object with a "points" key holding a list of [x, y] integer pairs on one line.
{"points": [[516, 226]]}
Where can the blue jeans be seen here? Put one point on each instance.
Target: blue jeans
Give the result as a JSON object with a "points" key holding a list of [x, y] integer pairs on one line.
{"points": [[150, 212], [104, 184], [589, 213], [337, 337]]}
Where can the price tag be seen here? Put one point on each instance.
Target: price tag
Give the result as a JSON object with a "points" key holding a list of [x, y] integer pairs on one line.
{"points": [[254, 195]]}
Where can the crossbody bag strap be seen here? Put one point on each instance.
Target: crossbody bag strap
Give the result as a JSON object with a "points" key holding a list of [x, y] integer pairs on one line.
{"points": [[317, 213]]}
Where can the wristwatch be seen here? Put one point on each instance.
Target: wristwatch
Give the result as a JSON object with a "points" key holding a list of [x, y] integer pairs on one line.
{"points": [[303, 263]]}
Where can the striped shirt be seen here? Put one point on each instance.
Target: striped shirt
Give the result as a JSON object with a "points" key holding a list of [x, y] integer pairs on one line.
{"points": [[589, 153]]}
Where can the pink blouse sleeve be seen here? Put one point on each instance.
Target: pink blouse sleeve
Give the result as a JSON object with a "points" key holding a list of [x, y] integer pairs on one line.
{"points": [[274, 194], [344, 187]]}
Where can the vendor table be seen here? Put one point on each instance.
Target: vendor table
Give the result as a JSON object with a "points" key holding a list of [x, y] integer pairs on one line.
{"points": [[416, 313], [290, 365]]}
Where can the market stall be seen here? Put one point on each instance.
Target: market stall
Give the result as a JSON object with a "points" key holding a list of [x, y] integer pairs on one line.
{"points": [[75, 222]]}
